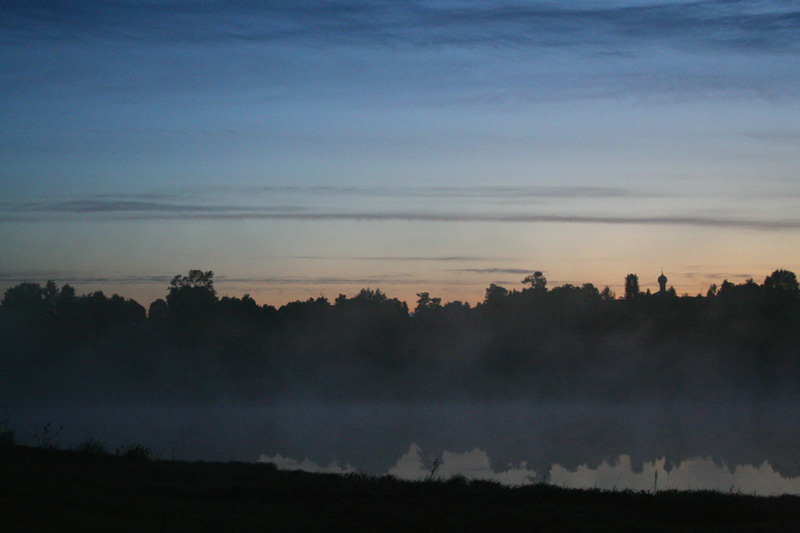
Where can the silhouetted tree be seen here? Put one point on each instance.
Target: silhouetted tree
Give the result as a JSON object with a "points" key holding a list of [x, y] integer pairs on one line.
{"points": [[23, 325], [671, 291], [425, 302], [782, 282], [782, 297], [244, 308], [50, 297], [191, 297], [304, 313], [369, 295], [457, 306], [568, 340], [495, 295], [590, 292], [537, 281], [744, 294], [195, 279], [158, 310], [25, 301], [96, 312], [607, 294]]}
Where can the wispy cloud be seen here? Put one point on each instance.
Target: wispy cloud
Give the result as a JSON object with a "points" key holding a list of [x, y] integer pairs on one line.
{"points": [[714, 274], [163, 199], [364, 281], [60, 276], [432, 53], [480, 192], [484, 209], [91, 206], [754, 25], [406, 259], [692, 221], [254, 282], [493, 270]]}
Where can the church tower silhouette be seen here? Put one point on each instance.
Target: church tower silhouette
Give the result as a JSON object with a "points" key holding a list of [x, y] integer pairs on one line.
{"points": [[662, 282]]}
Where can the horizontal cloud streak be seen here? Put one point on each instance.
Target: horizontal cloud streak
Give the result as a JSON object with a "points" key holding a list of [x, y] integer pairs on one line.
{"points": [[443, 217], [494, 270], [208, 197], [216, 213], [253, 282], [127, 206], [178, 200], [82, 278], [455, 259], [487, 192]]}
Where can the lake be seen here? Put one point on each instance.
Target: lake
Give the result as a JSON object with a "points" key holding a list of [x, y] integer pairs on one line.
{"points": [[746, 446]]}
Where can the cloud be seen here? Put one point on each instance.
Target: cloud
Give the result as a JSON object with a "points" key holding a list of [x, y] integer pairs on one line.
{"points": [[311, 280], [396, 259], [481, 192], [177, 198], [438, 53], [433, 217], [260, 201], [712, 275], [494, 270], [771, 26], [80, 278], [130, 206], [486, 208]]}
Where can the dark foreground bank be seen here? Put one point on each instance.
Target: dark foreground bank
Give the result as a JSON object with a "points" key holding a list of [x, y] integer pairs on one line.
{"points": [[60, 490]]}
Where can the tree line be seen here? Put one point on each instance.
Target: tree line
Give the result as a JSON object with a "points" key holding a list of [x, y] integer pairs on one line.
{"points": [[536, 342]]}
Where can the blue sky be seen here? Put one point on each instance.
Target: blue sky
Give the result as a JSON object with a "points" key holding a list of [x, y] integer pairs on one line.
{"points": [[306, 148]]}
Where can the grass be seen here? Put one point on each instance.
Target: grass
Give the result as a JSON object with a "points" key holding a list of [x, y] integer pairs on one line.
{"points": [[90, 489]]}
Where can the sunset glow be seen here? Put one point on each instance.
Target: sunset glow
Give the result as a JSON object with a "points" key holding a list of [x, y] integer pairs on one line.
{"points": [[316, 148]]}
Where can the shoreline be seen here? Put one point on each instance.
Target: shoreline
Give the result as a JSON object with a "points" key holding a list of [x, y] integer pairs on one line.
{"points": [[93, 490]]}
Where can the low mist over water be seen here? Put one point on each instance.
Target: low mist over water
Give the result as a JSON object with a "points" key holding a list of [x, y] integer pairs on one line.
{"points": [[453, 154], [743, 446], [569, 385]]}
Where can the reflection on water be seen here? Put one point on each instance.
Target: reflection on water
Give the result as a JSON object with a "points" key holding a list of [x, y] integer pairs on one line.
{"points": [[747, 446], [691, 474]]}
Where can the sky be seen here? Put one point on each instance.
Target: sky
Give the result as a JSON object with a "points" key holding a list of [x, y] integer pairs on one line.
{"points": [[313, 148]]}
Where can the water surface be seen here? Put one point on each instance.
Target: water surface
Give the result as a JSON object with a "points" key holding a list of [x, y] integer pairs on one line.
{"points": [[741, 446]]}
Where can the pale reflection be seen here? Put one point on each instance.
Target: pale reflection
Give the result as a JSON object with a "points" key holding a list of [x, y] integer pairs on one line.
{"points": [[474, 464], [691, 474], [306, 465]]}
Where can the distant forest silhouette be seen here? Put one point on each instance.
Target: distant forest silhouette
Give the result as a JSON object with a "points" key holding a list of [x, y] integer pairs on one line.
{"points": [[562, 343]]}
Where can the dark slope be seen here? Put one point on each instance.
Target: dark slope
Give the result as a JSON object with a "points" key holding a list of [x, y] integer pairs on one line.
{"points": [[58, 490]]}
